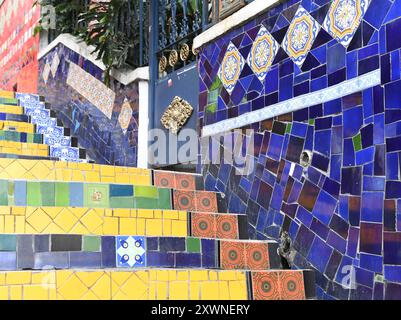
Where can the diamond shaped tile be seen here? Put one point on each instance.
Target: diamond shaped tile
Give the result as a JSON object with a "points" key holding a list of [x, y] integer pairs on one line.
{"points": [[46, 72], [344, 18], [300, 36], [125, 116], [55, 64], [231, 67], [130, 252], [262, 54]]}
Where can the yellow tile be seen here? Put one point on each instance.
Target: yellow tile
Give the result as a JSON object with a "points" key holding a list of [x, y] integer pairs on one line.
{"points": [[158, 214], [2, 278], [228, 275], [194, 290], [183, 215], [4, 293], [172, 274], [178, 290], [167, 227], [1, 224], [123, 213], [154, 227], [20, 224], [152, 275], [107, 171], [182, 275], [92, 220], [127, 226], [170, 214], [152, 291], [213, 275], [110, 226], [18, 211], [18, 277], [145, 213], [179, 228], [92, 176], [161, 290], [140, 227], [162, 275], [199, 275], [72, 288], [33, 292], [238, 290], [9, 224], [102, 288], [210, 290], [15, 292], [224, 293]]}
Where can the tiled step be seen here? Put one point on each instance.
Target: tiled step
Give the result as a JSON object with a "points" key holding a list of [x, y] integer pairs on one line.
{"points": [[14, 117], [156, 284], [179, 181], [7, 94], [17, 126], [21, 137], [16, 157], [38, 252], [11, 109], [9, 101], [114, 222], [20, 148], [33, 170], [102, 195]]}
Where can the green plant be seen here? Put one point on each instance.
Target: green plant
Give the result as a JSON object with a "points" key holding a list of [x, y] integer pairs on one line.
{"points": [[98, 26]]}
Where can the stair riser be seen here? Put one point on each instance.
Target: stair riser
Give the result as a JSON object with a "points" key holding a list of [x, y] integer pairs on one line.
{"points": [[29, 193], [38, 252]]}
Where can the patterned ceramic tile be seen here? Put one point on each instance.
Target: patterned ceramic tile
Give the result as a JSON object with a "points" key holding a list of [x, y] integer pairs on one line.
{"points": [[227, 227], [266, 286], [125, 116], [300, 36], [292, 286], [344, 18], [130, 252], [92, 89], [232, 255], [185, 181], [203, 225], [46, 73], [262, 54], [231, 67], [55, 64], [206, 201], [184, 200], [164, 179], [257, 256]]}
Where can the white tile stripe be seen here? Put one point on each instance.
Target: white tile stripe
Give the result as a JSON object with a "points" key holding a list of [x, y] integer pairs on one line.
{"points": [[334, 92]]}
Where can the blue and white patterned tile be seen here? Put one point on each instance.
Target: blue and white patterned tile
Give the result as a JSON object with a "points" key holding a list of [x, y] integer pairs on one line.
{"points": [[69, 153], [300, 36], [231, 67], [130, 252], [262, 54], [344, 18]]}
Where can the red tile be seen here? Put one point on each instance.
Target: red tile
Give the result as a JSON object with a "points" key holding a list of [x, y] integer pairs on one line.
{"points": [[203, 225], [232, 255], [185, 182], [266, 286], [206, 201], [257, 256], [184, 200], [292, 285], [227, 226], [164, 179]]}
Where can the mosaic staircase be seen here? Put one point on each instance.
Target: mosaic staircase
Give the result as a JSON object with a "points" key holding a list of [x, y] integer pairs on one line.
{"points": [[77, 230]]}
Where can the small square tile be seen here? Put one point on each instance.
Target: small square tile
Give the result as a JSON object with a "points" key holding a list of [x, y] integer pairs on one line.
{"points": [[130, 252]]}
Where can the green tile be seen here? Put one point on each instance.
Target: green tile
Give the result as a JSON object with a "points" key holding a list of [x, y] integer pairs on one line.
{"points": [[193, 245], [122, 202], [8, 242], [3, 193], [164, 200], [96, 195], [11, 190], [216, 84], [212, 108], [62, 194], [357, 140], [34, 198], [9, 101], [146, 192], [312, 122], [289, 127], [48, 194], [91, 243], [146, 203]]}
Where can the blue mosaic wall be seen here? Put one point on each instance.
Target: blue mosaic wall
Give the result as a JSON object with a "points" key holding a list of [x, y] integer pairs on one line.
{"points": [[344, 209], [105, 121]]}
